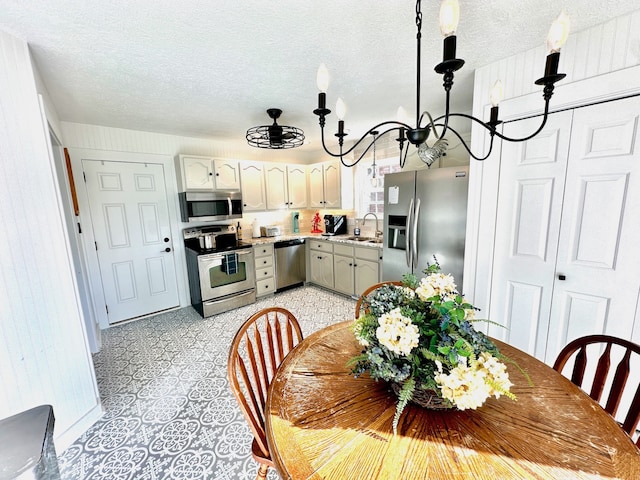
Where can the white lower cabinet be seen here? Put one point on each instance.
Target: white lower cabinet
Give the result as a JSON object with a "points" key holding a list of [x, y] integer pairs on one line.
{"points": [[355, 268], [343, 268], [321, 263], [265, 271], [367, 268]]}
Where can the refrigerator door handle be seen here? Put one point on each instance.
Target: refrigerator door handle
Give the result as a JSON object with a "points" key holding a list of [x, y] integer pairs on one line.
{"points": [[408, 246], [414, 232]]}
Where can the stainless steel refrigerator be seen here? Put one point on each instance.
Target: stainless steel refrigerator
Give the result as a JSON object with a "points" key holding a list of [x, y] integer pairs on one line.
{"points": [[425, 214]]}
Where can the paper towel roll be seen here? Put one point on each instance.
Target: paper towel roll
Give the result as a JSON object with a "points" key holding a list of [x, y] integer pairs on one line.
{"points": [[255, 228]]}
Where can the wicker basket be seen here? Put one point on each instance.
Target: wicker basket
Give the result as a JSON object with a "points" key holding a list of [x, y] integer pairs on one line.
{"points": [[425, 398]]}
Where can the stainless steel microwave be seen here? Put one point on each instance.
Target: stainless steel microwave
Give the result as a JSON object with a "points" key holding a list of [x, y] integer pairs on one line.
{"points": [[210, 206]]}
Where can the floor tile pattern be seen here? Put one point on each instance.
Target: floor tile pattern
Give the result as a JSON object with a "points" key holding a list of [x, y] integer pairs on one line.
{"points": [[169, 413]]}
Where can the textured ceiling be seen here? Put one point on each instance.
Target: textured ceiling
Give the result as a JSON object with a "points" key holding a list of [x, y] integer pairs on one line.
{"points": [[211, 68]]}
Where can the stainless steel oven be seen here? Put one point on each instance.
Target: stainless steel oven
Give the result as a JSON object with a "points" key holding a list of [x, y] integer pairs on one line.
{"points": [[221, 269], [227, 280]]}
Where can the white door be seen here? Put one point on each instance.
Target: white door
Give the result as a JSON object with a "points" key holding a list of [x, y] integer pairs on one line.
{"points": [[130, 219], [597, 283], [532, 176], [566, 257]]}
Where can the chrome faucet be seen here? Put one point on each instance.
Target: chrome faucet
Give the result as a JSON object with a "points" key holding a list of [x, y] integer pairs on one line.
{"points": [[364, 219]]}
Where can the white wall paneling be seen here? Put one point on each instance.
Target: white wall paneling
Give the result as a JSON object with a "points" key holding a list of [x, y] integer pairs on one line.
{"points": [[44, 355]]}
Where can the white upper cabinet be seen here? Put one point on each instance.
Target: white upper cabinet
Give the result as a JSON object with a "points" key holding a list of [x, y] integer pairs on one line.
{"points": [[324, 185], [253, 186], [297, 185], [227, 174], [286, 186], [200, 174]]}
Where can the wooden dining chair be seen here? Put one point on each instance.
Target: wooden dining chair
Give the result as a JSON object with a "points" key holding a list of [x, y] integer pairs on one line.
{"points": [[256, 352], [604, 375], [373, 287]]}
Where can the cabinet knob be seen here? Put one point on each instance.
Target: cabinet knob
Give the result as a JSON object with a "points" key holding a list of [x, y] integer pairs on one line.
{"points": [[217, 174], [166, 239], [210, 173], [167, 249], [562, 277]]}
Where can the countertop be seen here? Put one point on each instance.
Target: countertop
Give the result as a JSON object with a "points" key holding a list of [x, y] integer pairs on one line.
{"points": [[317, 236]]}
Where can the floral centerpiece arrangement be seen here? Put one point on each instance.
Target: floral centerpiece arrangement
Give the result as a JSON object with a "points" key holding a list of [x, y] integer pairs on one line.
{"points": [[419, 336]]}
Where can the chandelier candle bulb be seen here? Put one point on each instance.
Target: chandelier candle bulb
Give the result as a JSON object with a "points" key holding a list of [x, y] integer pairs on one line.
{"points": [[496, 94], [322, 78], [449, 17], [558, 33]]}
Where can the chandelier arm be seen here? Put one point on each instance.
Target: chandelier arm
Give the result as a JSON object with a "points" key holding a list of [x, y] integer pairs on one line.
{"points": [[446, 115], [466, 147], [431, 122], [418, 58], [403, 159], [545, 117], [398, 126]]}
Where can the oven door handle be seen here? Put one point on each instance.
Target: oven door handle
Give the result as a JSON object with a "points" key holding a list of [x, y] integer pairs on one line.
{"points": [[220, 256], [240, 295]]}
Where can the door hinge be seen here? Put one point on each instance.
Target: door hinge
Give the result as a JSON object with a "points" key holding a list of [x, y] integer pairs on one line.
{"points": [[107, 309], [79, 228], [96, 244], [84, 175]]}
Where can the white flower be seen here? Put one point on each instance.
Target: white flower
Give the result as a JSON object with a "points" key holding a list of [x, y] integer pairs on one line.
{"points": [[469, 386], [495, 373], [397, 333], [436, 284], [464, 386]]}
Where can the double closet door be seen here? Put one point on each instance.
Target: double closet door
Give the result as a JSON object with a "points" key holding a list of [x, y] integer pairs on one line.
{"points": [[566, 259]]}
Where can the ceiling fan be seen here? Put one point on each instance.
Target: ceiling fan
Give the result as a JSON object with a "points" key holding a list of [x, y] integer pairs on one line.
{"points": [[275, 136]]}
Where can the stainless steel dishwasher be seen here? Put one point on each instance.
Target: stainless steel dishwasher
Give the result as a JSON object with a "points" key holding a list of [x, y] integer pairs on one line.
{"points": [[291, 268]]}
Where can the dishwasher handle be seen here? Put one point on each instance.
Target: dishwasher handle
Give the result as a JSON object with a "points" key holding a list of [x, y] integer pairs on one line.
{"points": [[289, 243]]}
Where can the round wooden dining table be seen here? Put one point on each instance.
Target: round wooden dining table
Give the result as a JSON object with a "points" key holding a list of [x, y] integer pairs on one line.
{"points": [[322, 423]]}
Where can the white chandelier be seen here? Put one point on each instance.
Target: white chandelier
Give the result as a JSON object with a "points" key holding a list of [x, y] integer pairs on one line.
{"points": [[418, 135]]}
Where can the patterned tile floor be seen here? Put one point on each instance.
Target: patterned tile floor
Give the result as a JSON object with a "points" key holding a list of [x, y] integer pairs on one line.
{"points": [[169, 413]]}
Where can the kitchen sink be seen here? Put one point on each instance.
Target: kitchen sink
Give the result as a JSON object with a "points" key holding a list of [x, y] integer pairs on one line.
{"points": [[366, 239]]}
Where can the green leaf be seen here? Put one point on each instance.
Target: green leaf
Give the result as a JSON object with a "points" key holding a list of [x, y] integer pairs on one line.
{"points": [[406, 393], [445, 350]]}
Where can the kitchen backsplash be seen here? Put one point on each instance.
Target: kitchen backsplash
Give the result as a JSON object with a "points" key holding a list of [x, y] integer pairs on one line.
{"points": [[284, 220]]}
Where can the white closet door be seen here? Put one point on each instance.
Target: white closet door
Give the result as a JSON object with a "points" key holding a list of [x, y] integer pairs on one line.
{"points": [[600, 235], [530, 191]]}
